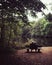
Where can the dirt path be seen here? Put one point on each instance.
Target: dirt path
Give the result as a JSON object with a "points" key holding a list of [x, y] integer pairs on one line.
{"points": [[23, 58], [44, 58]]}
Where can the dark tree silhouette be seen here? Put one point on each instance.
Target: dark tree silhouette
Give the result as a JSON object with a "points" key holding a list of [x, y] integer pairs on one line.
{"points": [[49, 17]]}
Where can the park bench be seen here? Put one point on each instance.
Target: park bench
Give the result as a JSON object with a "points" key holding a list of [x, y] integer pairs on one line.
{"points": [[34, 46]]}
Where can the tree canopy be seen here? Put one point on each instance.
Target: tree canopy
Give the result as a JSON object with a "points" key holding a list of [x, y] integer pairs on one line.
{"points": [[20, 6], [12, 11]]}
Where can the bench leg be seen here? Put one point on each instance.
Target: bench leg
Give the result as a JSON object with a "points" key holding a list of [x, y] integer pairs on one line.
{"points": [[38, 50], [27, 50]]}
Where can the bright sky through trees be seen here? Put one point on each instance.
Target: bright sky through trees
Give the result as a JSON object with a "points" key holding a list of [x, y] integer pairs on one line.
{"points": [[48, 4], [46, 1]]}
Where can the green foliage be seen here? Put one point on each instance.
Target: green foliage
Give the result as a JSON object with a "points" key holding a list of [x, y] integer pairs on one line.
{"points": [[48, 29], [49, 17], [26, 34], [39, 26], [43, 28], [14, 22]]}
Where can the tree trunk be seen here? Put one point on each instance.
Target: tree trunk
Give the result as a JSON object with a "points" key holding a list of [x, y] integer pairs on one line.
{"points": [[2, 39]]}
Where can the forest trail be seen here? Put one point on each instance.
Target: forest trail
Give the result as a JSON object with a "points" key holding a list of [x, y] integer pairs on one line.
{"points": [[20, 57], [43, 58]]}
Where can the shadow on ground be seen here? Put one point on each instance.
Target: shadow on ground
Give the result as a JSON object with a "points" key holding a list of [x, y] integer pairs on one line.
{"points": [[33, 52]]}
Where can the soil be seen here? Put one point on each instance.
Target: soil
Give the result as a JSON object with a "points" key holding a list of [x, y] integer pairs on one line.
{"points": [[21, 57]]}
